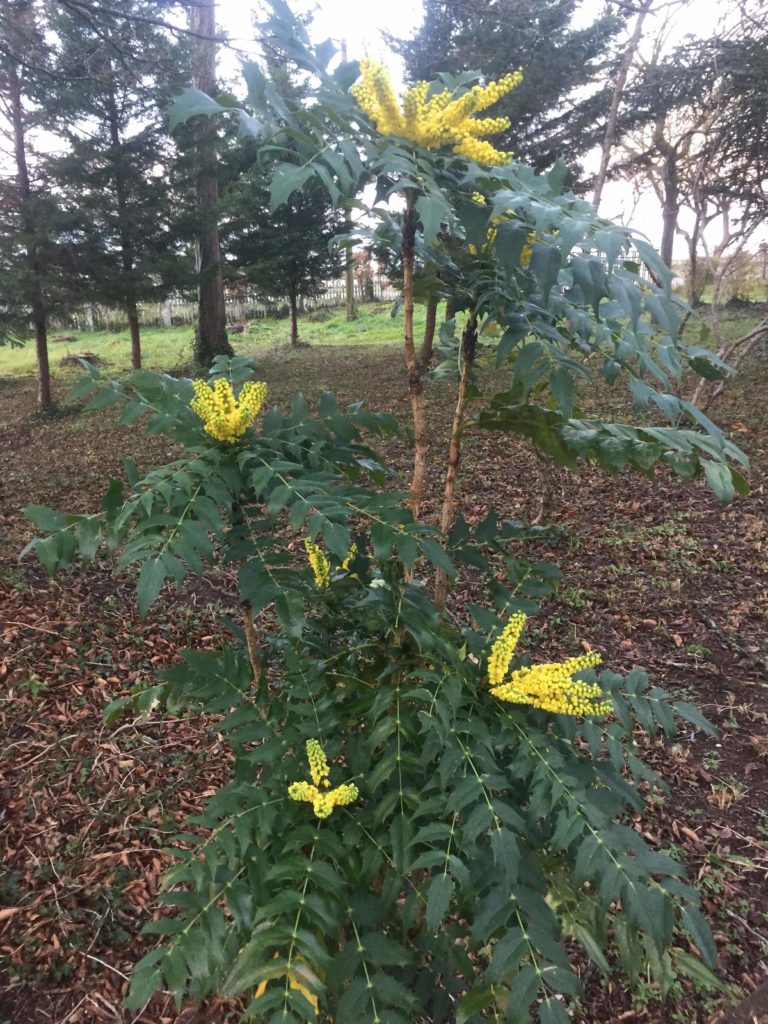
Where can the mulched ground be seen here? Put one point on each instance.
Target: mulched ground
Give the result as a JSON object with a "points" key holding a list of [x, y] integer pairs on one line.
{"points": [[656, 575]]}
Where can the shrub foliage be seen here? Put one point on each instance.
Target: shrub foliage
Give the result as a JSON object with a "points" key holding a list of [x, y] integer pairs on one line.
{"points": [[397, 842], [485, 837]]}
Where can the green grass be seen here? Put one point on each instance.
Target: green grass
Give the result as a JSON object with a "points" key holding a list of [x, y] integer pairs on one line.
{"points": [[755, 289], [167, 347], [731, 327]]}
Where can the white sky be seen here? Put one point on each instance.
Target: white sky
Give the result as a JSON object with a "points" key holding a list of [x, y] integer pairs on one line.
{"points": [[362, 24]]}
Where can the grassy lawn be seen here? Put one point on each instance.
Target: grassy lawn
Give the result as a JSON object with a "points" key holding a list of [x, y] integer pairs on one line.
{"points": [[164, 348], [170, 348]]}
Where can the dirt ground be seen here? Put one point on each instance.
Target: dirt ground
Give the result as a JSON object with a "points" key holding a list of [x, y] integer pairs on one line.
{"points": [[657, 575]]}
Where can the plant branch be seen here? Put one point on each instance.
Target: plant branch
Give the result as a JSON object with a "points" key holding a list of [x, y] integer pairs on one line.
{"points": [[250, 639], [415, 373], [468, 351]]}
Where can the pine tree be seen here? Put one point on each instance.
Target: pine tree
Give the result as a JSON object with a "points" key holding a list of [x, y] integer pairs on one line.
{"points": [[39, 265], [287, 252], [114, 81], [558, 61]]}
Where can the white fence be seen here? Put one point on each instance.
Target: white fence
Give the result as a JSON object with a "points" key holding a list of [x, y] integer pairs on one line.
{"points": [[241, 307], [245, 306]]}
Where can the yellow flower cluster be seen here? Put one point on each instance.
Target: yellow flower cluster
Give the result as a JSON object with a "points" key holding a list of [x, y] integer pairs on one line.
{"points": [[437, 121], [549, 687], [323, 803], [504, 648], [323, 799], [225, 417], [321, 567]]}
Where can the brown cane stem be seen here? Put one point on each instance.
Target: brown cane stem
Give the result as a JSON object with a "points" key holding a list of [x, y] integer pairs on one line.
{"points": [[468, 350], [415, 379], [250, 639]]}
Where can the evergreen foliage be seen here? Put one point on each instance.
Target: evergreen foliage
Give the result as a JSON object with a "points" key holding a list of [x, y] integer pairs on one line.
{"points": [[462, 844], [286, 251], [118, 175], [421, 821]]}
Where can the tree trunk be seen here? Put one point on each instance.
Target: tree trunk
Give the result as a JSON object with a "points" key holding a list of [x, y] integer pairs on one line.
{"points": [[670, 207], [211, 331], [609, 139], [123, 221], [44, 395], [425, 356], [133, 326], [349, 265], [468, 350], [39, 313], [349, 275], [450, 308], [699, 225], [693, 272], [415, 381], [670, 210], [294, 319]]}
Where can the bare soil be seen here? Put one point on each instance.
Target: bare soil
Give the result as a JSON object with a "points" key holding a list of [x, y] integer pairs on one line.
{"points": [[656, 574]]}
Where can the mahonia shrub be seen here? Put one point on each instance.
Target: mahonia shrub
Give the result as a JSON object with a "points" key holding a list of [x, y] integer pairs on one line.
{"points": [[427, 817]]}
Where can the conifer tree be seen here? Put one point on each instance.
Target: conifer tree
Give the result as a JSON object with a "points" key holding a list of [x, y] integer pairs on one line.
{"points": [[113, 84], [286, 252], [38, 260]]}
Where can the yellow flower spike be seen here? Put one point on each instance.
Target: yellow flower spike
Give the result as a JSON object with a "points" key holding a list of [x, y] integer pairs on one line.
{"points": [[225, 417], [549, 687], [323, 800], [349, 559], [504, 648], [438, 121], [319, 564], [318, 765]]}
